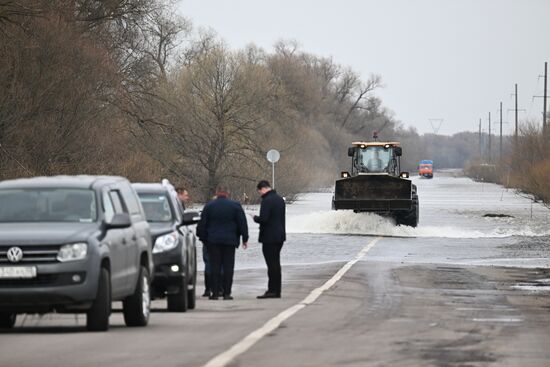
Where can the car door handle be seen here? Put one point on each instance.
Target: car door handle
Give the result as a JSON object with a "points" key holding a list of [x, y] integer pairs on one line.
{"points": [[124, 240]]}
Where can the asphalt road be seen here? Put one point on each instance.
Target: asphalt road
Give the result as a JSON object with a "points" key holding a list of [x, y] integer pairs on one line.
{"points": [[461, 290]]}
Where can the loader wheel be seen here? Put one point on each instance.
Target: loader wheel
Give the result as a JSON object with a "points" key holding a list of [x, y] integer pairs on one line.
{"points": [[411, 217], [7, 320]]}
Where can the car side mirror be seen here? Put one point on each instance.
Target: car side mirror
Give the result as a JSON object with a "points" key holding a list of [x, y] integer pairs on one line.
{"points": [[191, 217], [351, 151], [119, 220], [398, 151]]}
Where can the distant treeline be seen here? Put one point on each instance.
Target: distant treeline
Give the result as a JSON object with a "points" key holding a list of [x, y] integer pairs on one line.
{"points": [[127, 87]]}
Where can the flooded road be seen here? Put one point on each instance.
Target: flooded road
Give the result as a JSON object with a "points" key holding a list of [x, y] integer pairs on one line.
{"points": [[470, 286], [457, 217]]}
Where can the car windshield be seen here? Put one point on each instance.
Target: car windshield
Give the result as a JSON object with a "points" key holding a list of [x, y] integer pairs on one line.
{"points": [[47, 205], [156, 207], [375, 159]]}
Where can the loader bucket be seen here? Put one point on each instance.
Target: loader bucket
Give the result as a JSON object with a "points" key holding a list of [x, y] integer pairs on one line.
{"points": [[373, 193]]}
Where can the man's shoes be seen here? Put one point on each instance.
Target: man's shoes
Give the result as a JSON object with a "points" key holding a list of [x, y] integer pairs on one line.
{"points": [[227, 298], [269, 295], [206, 293], [214, 297]]}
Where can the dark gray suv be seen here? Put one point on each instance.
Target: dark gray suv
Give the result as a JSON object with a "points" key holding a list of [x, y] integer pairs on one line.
{"points": [[73, 244], [174, 245]]}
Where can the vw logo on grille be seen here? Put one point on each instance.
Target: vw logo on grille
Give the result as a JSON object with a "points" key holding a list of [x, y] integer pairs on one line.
{"points": [[15, 254]]}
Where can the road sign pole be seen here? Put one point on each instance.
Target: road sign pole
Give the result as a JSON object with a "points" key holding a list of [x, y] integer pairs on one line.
{"points": [[273, 157], [273, 174]]}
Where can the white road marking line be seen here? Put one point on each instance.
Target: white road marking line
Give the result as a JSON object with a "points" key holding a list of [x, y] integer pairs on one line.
{"points": [[509, 319], [492, 309], [224, 358]]}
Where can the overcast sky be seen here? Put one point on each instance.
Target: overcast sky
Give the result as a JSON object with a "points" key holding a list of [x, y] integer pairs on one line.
{"points": [[449, 59]]}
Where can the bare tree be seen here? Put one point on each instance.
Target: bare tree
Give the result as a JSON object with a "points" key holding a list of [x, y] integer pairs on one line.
{"points": [[219, 99], [359, 94], [163, 33]]}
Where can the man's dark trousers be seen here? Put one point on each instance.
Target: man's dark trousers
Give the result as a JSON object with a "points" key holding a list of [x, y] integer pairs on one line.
{"points": [[221, 257], [272, 256], [207, 270]]}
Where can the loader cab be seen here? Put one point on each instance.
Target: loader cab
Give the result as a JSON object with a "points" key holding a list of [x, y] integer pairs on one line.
{"points": [[375, 158]]}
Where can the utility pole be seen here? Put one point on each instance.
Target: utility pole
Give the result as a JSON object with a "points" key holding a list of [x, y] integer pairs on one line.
{"points": [[516, 117], [544, 102], [544, 98], [516, 110], [489, 151], [500, 141], [480, 142]]}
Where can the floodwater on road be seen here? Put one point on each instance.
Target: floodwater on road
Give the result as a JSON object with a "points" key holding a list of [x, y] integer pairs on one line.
{"points": [[494, 224], [450, 207]]}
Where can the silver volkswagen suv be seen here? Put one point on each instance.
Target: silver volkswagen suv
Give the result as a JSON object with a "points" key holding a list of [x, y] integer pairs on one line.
{"points": [[73, 244]]}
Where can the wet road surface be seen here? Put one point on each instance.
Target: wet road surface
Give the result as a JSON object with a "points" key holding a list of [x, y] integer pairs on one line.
{"points": [[462, 289]]}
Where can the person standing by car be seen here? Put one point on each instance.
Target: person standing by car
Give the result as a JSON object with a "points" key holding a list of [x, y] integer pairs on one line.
{"points": [[183, 196], [222, 224], [272, 235]]}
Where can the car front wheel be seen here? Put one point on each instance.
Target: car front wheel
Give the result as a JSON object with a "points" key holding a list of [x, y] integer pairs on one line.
{"points": [[191, 293], [97, 318], [179, 302], [137, 307]]}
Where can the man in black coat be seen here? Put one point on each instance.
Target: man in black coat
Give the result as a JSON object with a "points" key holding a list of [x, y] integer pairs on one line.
{"points": [[272, 236], [222, 224], [183, 196]]}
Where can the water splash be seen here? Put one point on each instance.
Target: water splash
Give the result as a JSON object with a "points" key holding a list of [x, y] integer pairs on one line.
{"points": [[350, 223]]}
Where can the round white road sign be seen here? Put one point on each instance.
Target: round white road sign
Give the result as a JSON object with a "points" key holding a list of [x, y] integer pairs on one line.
{"points": [[273, 156]]}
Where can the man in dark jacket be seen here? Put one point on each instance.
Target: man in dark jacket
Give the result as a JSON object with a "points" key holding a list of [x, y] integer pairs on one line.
{"points": [[222, 224], [272, 236], [183, 196]]}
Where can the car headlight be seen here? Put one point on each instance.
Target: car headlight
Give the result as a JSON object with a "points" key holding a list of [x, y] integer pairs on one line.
{"points": [[75, 251], [166, 243]]}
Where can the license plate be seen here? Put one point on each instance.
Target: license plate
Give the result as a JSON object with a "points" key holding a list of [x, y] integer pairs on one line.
{"points": [[17, 272]]}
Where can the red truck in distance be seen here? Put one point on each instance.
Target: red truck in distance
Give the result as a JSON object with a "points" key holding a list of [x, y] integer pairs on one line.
{"points": [[426, 168]]}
